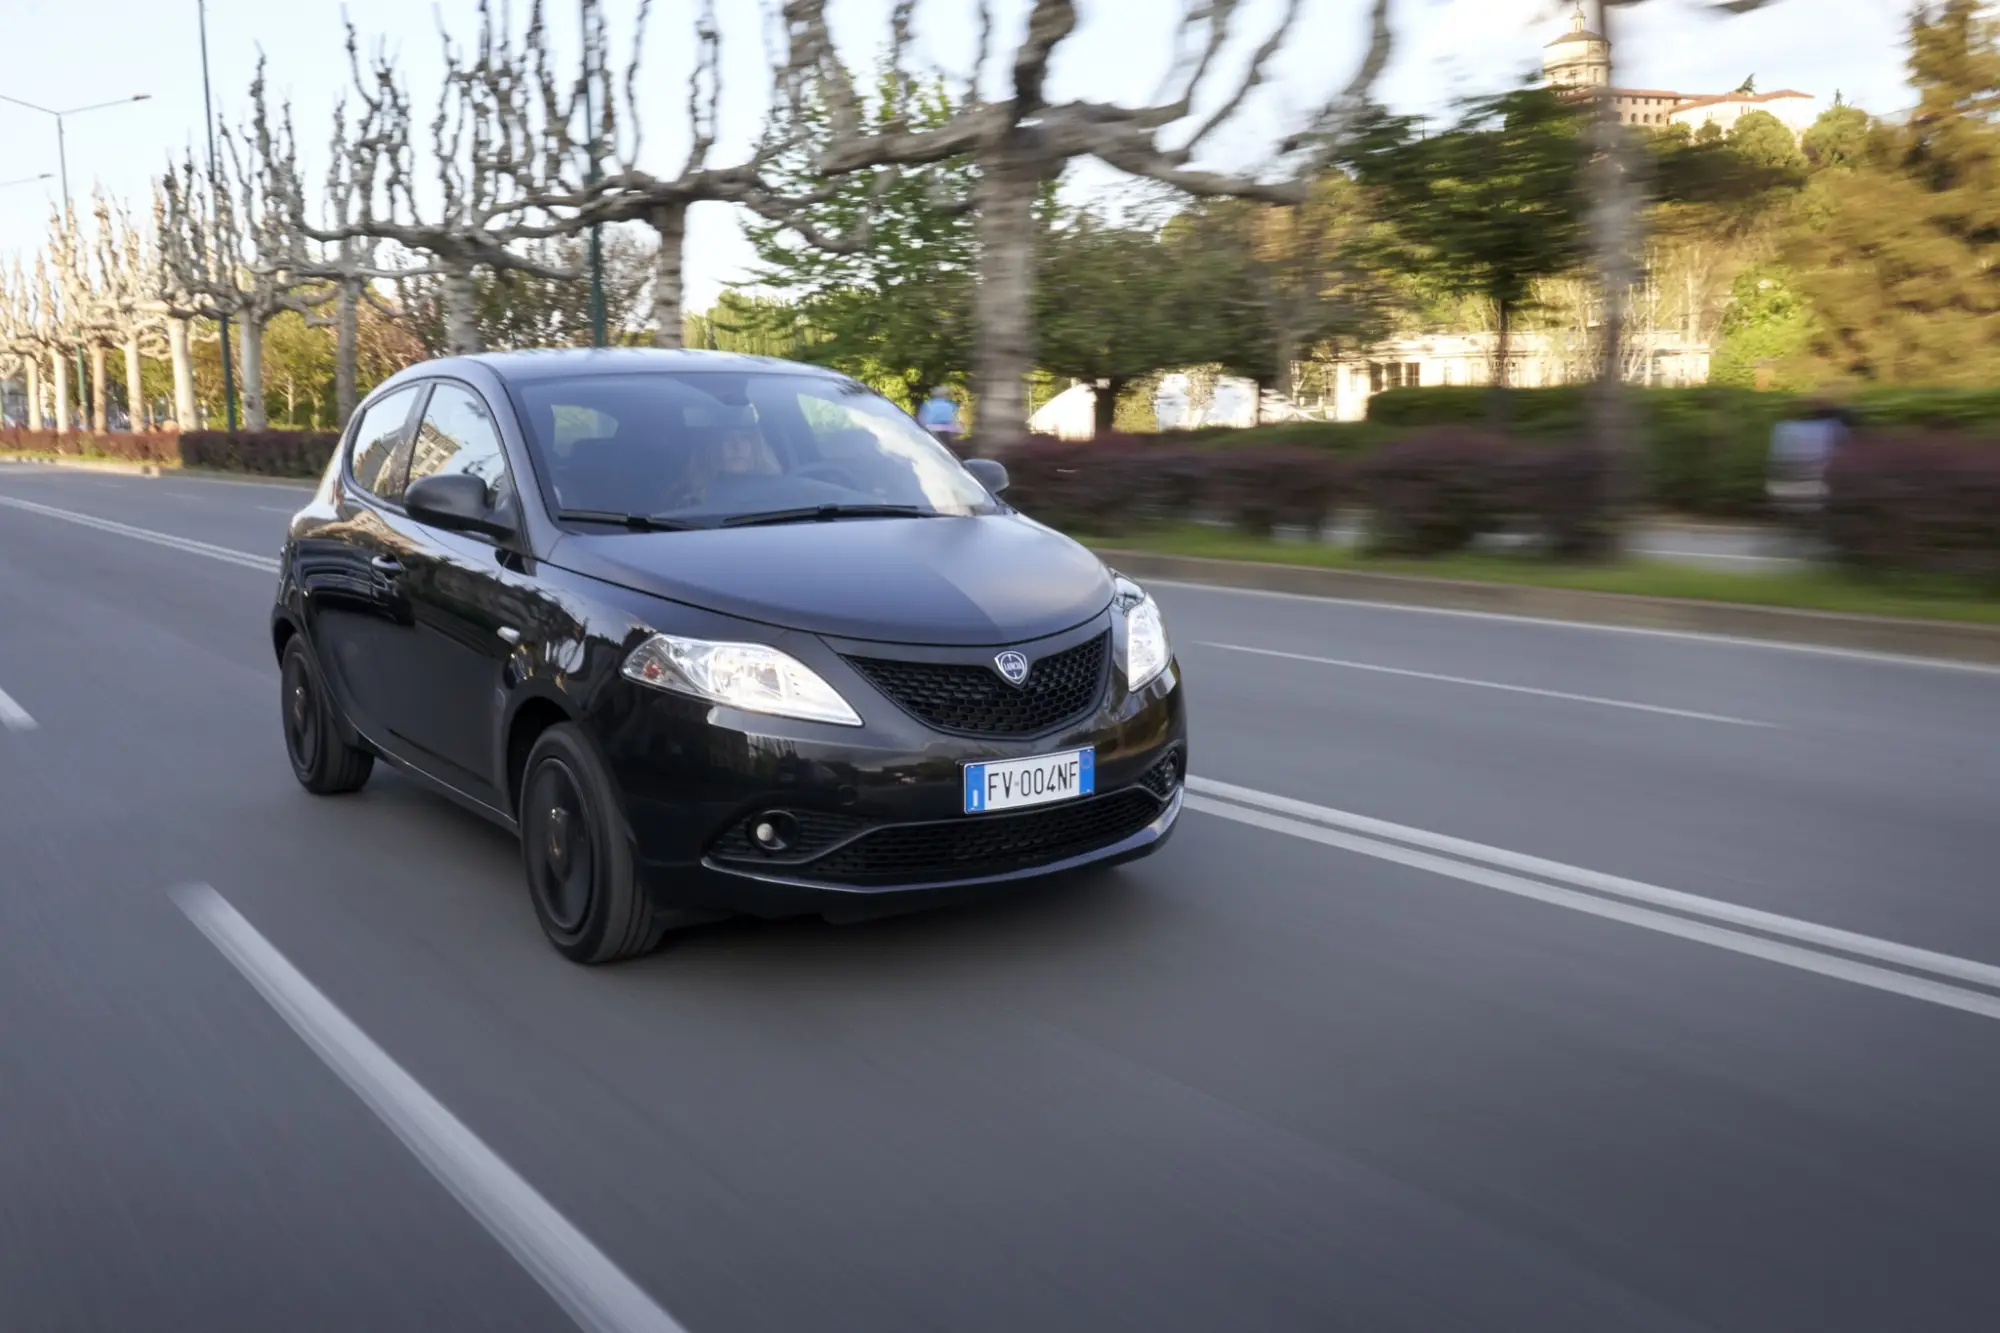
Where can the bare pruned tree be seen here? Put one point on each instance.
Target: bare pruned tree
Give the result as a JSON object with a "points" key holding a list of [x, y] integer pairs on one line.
{"points": [[489, 146], [596, 176], [21, 335], [1024, 139], [348, 263], [227, 237]]}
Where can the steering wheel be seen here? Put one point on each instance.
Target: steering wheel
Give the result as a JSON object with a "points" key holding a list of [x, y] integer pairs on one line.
{"points": [[833, 473]]}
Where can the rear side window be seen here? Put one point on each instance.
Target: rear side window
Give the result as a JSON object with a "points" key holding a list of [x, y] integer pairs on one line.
{"points": [[378, 445], [458, 435]]}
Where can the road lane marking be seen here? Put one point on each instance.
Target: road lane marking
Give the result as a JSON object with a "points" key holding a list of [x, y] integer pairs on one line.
{"points": [[589, 1287], [13, 716], [1492, 685], [1617, 899], [1550, 622], [268, 564]]}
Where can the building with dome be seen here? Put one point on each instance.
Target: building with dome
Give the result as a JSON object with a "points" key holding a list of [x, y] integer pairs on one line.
{"points": [[1580, 60]]}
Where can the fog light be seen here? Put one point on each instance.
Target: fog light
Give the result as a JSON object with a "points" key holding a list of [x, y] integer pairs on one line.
{"points": [[774, 830]]}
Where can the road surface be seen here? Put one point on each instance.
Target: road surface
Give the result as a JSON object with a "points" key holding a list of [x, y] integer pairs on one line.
{"points": [[1503, 975]]}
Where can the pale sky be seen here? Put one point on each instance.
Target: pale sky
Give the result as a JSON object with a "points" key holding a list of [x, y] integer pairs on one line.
{"points": [[65, 53]]}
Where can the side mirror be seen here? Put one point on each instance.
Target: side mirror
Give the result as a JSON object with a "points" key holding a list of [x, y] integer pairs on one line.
{"points": [[988, 473], [455, 502]]}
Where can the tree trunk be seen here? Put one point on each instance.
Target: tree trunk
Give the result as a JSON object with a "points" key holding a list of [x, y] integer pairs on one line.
{"points": [[59, 372], [1614, 222], [1503, 352], [670, 221], [461, 313], [182, 355], [100, 410], [251, 371], [346, 352], [34, 393], [1004, 302], [1106, 408], [135, 393]]}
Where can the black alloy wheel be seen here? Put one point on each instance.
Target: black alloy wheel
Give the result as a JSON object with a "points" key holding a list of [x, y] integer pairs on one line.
{"points": [[577, 851], [322, 759]]}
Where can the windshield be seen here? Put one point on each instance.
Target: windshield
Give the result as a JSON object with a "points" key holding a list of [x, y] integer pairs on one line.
{"points": [[702, 448]]}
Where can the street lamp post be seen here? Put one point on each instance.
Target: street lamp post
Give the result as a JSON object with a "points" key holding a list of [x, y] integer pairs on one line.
{"points": [[62, 164], [208, 113], [596, 229]]}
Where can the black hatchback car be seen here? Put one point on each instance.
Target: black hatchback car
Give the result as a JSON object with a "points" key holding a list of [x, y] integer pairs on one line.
{"points": [[716, 635]]}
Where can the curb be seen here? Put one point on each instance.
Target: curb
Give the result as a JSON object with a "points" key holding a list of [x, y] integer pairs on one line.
{"points": [[121, 469], [1936, 639]]}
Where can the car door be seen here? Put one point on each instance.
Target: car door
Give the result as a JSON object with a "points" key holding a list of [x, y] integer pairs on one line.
{"points": [[468, 597], [349, 568]]}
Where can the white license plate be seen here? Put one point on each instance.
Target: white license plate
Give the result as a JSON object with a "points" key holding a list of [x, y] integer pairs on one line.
{"points": [[1010, 784]]}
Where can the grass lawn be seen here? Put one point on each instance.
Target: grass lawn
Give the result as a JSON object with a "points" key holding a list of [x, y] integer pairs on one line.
{"points": [[1804, 590]]}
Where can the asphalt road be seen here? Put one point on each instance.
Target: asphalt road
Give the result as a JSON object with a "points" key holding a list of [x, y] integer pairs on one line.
{"points": [[1406, 1029]]}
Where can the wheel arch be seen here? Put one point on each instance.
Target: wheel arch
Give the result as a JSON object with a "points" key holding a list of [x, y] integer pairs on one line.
{"points": [[534, 715]]}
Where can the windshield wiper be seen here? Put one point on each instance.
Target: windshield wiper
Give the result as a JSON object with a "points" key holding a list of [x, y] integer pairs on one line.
{"points": [[822, 513], [636, 522]]}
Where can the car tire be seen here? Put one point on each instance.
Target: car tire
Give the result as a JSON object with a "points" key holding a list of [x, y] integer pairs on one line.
{"points": [[577, 851], [322, 760]]}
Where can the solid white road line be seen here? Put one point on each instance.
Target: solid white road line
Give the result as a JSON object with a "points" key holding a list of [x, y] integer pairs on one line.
{"points": [[1311, 824], [1491, 685], [13, 716], [268, 564], [588, 1286], [1549, 622]]}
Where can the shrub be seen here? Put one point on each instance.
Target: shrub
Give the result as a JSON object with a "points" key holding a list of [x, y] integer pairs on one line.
{"points": [[269, 453], [1103, 486], [1917, 503], [132, 446], [1264, 487], [1435, 491]]}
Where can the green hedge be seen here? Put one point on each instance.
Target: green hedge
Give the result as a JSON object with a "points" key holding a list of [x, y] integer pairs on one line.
{"points": [[1705, 448]]}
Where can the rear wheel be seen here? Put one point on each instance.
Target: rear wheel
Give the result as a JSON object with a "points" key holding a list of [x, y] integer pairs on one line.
{"points": [[577, 850], [322, 760]]}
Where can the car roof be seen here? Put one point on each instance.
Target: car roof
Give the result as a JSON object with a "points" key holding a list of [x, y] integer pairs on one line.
{"points": [[554, 362]]}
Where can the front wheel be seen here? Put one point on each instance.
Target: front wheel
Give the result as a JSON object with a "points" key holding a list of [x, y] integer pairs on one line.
{"points": [[578, 854], [322, 760]]}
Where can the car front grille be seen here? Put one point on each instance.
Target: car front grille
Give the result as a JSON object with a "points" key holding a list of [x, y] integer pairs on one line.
{"points": [[975, 700], [986, 844]]}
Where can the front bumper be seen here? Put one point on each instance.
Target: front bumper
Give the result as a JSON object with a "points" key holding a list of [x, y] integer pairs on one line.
{"points": [[879, 809]]}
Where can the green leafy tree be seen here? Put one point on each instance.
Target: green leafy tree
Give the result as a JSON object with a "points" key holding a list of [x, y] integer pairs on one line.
{"points": [[1766, 334], [1113, 307], [895, 311], [1272, 282], [1491, 205], [1761, 139], [1839, 138], [1901, 260]]}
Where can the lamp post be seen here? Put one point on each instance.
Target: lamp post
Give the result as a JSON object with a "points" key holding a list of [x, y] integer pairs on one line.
{"points": [[596, 229], [208, 114], [62, 163], [28, 180]]}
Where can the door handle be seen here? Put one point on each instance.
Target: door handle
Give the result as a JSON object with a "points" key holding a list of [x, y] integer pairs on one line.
{"points": [[386, 564]]}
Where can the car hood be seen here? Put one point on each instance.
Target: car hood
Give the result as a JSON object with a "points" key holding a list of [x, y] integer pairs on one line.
{"points": [[950, 581]]}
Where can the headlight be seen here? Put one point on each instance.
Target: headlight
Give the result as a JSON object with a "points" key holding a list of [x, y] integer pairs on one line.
{"points": [[749, 676], [1146, 650]]}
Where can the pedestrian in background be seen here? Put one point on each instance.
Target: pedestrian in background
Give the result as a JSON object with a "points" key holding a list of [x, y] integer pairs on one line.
{"points": [[939, 416], [1802, 447]]}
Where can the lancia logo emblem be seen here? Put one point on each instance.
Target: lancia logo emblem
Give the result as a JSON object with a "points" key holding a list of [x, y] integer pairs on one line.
{"points": [[1013, 666]]}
